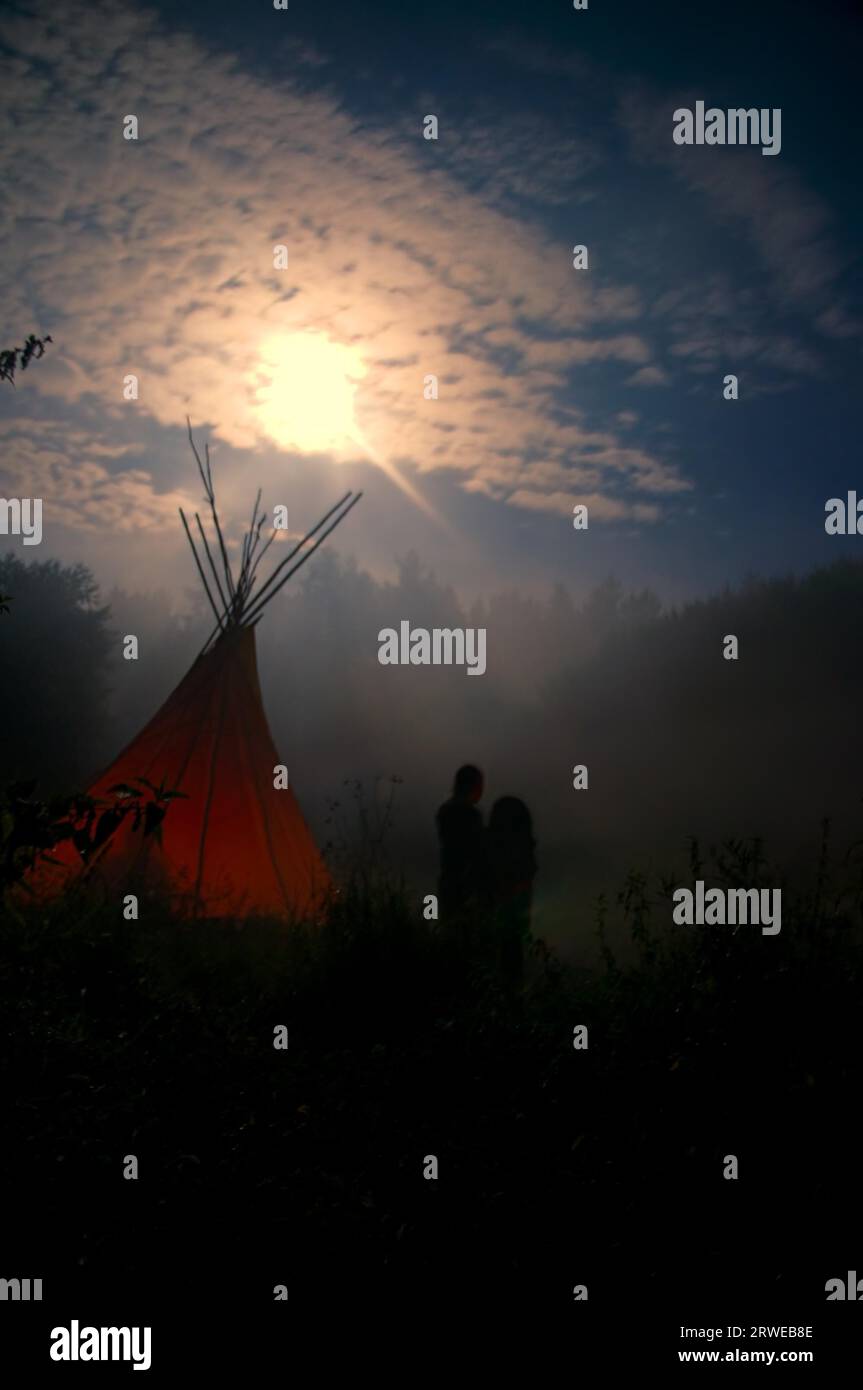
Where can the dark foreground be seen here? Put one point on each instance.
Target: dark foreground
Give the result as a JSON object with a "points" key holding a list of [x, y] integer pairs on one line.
{"points": [[557, 1167]]}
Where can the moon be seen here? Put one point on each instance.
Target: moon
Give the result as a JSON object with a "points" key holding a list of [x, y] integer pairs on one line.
{"points": [[305, 393]]}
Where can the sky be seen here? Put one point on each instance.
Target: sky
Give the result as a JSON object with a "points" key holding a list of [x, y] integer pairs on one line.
{"points": [[452, 257]]}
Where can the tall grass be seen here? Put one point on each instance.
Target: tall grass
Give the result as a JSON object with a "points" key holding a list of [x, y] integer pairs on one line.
{"points": [[155, 1037]]}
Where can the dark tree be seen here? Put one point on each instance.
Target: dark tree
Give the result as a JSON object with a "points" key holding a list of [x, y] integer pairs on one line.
{"points": [[54, 653], [11, 359]]}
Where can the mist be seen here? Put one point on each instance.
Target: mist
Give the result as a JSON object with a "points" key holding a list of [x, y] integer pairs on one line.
{"points": [[678, 741]]}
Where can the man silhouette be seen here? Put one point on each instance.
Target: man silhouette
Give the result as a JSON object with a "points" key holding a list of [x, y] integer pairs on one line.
{"points": [[462, 844]]}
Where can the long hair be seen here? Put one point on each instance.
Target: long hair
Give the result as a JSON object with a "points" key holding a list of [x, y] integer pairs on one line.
{"points": [[510, 816]]}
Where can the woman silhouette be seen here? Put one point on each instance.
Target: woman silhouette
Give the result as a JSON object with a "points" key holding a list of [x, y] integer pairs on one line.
{"points": [[512, 863]]}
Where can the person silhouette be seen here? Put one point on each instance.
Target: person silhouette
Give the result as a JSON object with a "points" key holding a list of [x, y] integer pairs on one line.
{"points": [[462, 880], [512, 868]]}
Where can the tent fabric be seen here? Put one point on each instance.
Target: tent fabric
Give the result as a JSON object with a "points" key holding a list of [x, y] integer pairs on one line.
{"points": [[234, 845]]}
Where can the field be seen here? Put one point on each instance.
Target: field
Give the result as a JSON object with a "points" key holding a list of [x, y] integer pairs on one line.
{"points": [[558, 1166]]}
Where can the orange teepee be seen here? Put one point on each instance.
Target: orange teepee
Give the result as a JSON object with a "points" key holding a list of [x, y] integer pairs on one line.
{"points": [[234, 843]]}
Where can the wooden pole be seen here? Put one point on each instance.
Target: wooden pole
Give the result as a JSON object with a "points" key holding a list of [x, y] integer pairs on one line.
{"points": [[200, 567]]}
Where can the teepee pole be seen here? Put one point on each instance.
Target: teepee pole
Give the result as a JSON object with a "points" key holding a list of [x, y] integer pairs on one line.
{"points": [[207, 480], [260, 604], [238, 607], [248, 539], [268, 542], [215, 515], [200, 567], [260, 600], [215, 572], [307, 537]]}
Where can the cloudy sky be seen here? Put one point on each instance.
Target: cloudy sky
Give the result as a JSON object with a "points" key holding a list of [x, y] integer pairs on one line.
{"points": [[407, 257]]}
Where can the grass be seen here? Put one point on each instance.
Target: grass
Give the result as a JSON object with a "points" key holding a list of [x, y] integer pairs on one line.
{"points": [[155, 1038]]}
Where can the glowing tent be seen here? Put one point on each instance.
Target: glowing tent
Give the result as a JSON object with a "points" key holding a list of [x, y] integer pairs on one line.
{"points": [[234, 841]]}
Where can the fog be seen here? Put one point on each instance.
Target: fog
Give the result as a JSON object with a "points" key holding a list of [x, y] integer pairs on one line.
{"points": [[677, 740]]}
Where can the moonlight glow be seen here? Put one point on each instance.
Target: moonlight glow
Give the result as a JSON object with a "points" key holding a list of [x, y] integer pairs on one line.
{"points": [[305, 396]]}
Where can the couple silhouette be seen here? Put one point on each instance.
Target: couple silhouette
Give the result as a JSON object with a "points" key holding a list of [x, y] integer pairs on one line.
{"points": [[487, 871]]}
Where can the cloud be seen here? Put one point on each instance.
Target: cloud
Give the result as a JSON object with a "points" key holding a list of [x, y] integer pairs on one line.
{"points": [[69, 470], [155, 257], [600, 508], [765, 200], [649, 376], [523, 159]]}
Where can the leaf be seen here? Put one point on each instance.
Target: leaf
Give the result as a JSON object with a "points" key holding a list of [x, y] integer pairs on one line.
{"points": [[81, 841], [106, 825]]}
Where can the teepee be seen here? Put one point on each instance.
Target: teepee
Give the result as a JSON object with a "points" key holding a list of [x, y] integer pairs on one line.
{"points": [[233, 841]]}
